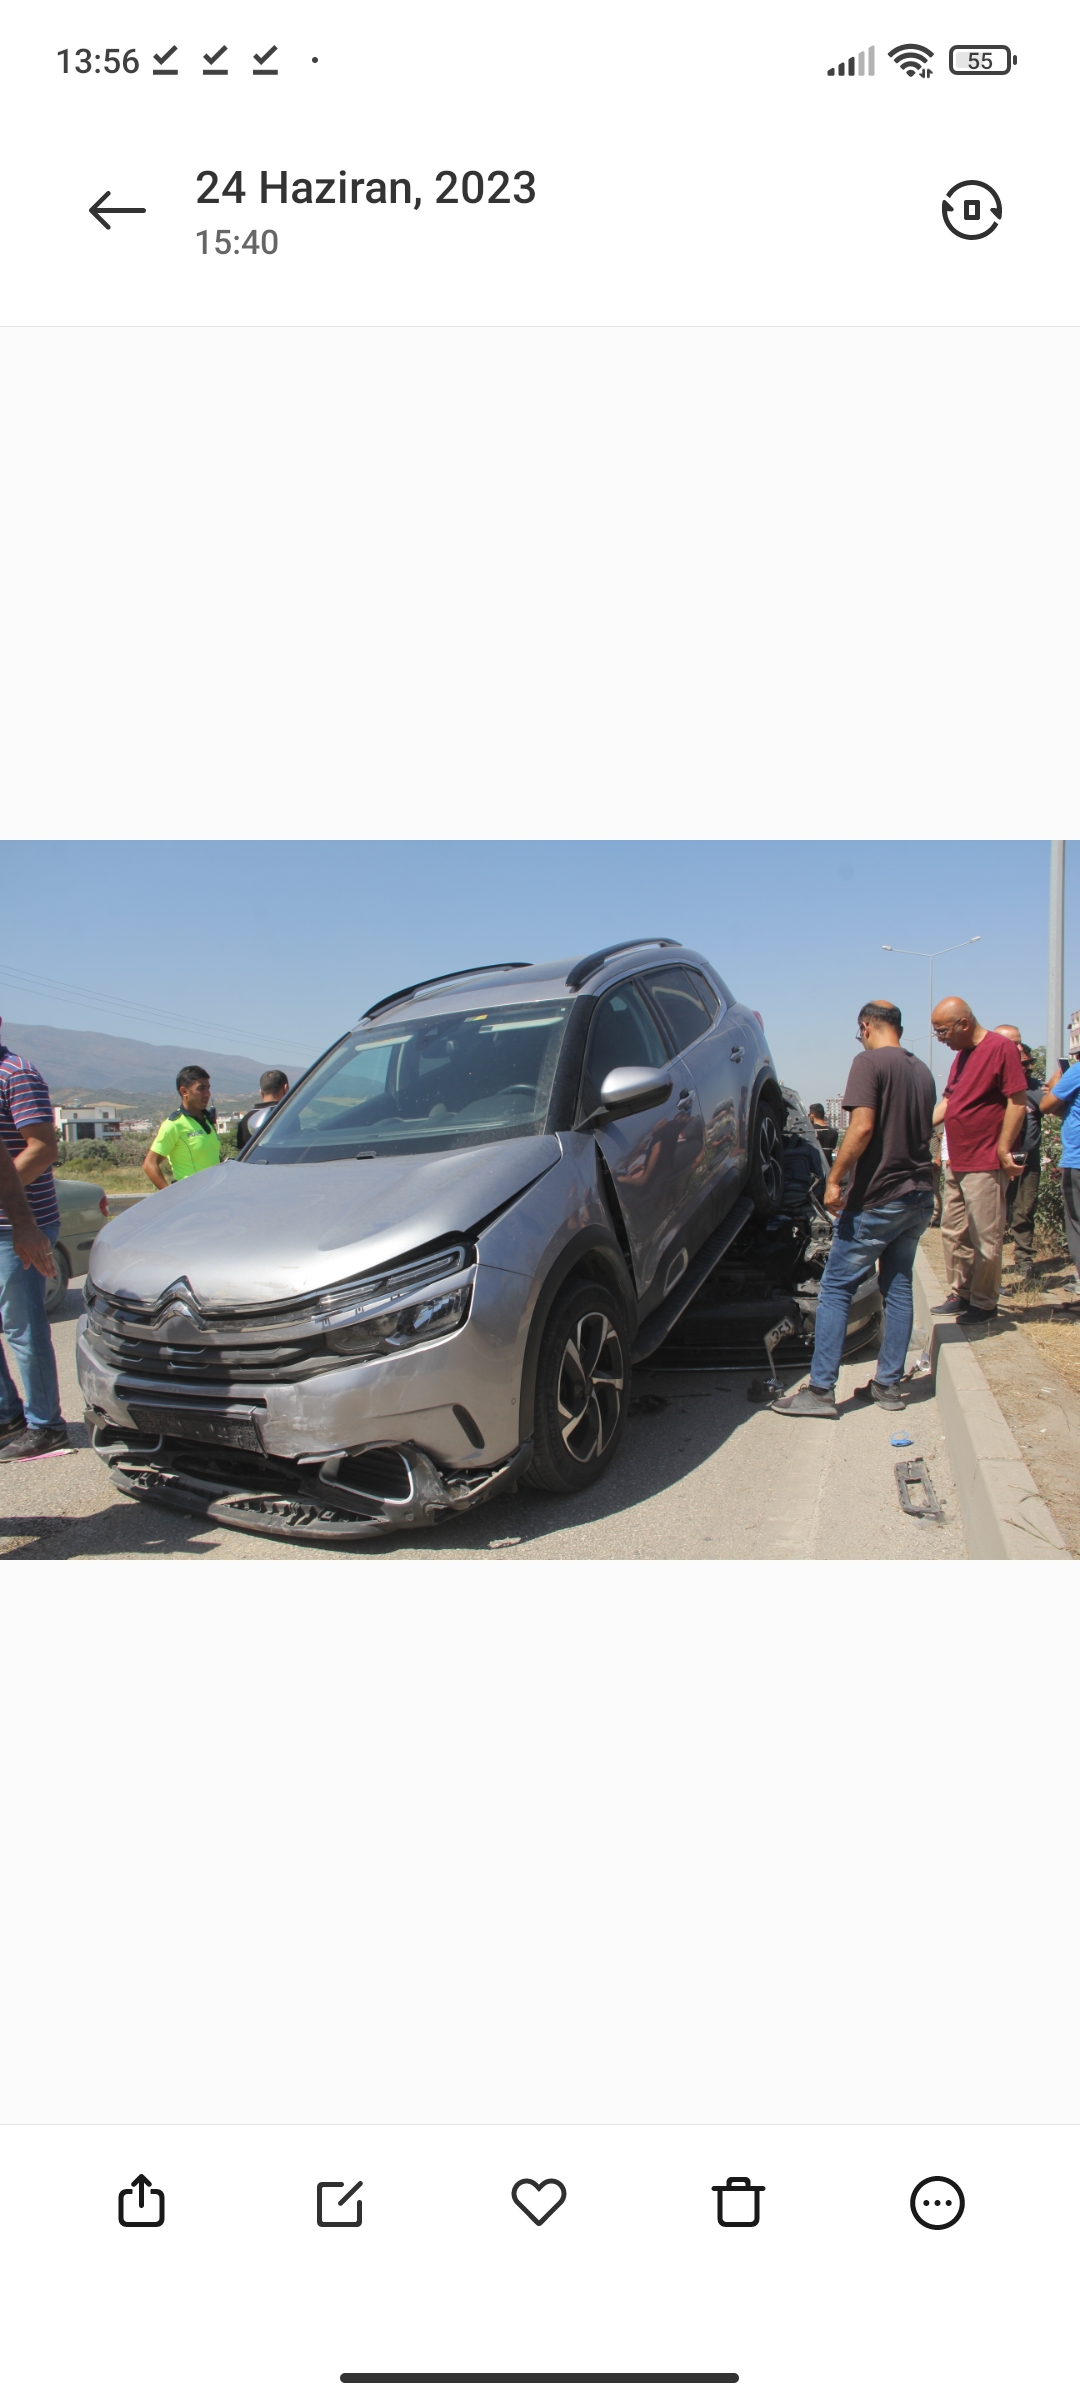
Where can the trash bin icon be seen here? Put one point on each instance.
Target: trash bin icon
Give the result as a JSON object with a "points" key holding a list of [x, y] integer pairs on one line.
{"points": [[738, 2201]]}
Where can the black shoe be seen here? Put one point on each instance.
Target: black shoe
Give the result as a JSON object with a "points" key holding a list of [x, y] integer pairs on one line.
{"points": [[38, 1441], [974, 1316], [887, 1395], [12, 1426], [808, 1403]]}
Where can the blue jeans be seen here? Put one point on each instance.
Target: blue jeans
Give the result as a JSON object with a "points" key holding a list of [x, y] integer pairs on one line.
{"points": [[26, 1330], [887, 1238]]}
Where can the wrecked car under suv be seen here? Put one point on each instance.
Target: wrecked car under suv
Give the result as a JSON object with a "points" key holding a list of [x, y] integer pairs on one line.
{"points": [[429, 1275], [758, 1307]]}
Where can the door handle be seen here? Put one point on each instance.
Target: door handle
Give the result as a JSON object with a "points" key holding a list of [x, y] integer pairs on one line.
{"points": [[685, 1105], [737, 1050]]}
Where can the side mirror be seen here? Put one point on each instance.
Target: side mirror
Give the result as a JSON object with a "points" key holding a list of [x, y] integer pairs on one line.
{"points": [[627, 1090]]}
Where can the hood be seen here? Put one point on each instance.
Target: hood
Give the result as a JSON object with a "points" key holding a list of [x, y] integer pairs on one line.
{"points": [[244, 1234]]}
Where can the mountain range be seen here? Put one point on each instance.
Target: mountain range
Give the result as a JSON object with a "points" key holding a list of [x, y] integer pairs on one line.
{"points": [[83, 1065]]}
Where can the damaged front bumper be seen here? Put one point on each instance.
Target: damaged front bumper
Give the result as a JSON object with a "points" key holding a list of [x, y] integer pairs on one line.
{"points": [[347, 1497]]}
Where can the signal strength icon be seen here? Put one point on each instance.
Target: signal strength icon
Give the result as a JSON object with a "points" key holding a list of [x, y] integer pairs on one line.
{"points": [[861, 64], [913, 58]]}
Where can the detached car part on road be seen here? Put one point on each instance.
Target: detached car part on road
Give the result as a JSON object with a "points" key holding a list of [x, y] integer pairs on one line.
{"points": [[429, 1275], [758, 1308]]}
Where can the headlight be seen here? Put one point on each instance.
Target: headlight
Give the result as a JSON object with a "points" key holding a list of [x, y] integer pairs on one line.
{"points": [[403, 1328]]}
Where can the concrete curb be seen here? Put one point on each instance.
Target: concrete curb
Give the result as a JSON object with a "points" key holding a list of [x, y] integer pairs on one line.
{"points": [[1003, 1514]]}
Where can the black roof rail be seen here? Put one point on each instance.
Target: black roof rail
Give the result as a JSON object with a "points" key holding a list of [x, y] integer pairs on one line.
{"points": [[598, 958], [496, 966]]}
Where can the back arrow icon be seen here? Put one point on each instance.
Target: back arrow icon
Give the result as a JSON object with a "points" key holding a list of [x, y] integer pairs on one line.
{"points": [[99, 210]]}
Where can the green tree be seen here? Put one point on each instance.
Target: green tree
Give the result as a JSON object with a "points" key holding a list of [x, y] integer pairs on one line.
{"points": [[1050, 1209]]}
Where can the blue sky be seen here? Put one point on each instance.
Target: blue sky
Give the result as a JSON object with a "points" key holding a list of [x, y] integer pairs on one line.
{"points": [[273, 948]]}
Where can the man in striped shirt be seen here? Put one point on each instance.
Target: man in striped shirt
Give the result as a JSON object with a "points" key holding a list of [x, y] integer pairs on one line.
{"points": [[31, 1427]]}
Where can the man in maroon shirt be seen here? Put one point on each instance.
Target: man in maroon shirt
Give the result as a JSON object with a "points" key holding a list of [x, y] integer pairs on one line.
{"points": [[983, 1113]]}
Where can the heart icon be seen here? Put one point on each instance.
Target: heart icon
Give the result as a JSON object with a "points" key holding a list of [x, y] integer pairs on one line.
{"points": [[534, 2197]]}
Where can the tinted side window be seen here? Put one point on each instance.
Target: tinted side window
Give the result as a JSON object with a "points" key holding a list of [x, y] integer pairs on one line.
{"points": [[622, 1034], [701, 984], [680, 1005]]}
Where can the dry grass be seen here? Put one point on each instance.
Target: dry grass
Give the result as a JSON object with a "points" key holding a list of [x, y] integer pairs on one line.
{"points": [[1030, 1356], [110, 1179], [1056, 1337]]}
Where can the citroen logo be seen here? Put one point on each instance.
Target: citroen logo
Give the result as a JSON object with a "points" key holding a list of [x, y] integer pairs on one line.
{"points": [[179, 1301]]}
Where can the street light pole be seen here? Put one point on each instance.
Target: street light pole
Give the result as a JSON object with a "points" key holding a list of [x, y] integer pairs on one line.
{"points": [[1055, 999], [931, 955]]}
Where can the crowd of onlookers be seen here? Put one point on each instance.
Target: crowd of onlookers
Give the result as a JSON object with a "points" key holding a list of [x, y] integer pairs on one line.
{"points": [[31, 1422], [969, 1160]]}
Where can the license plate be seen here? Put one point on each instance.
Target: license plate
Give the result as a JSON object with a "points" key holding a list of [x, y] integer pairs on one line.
{"points": [[197, 1425]]}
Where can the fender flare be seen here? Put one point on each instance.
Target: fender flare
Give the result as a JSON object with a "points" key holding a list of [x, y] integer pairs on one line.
{"points": [[599, 1247], [766, 1087]]}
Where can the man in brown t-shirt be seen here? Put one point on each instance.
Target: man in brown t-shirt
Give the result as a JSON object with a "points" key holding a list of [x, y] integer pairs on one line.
{"points": [[983, 1112], [884, 1161]]}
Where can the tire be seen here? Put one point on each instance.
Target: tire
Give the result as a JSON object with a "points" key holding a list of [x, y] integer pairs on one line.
{"points": [[57, 1287], [765, 1182], [582, 1390]]}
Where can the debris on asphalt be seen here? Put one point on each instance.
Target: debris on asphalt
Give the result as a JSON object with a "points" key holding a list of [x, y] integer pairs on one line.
{"points": [[900, 1441], [912, 1475]]}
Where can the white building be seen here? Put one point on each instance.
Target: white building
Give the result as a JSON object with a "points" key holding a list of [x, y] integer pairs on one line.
{"points": [[1074, 1035], [88, 1121]]}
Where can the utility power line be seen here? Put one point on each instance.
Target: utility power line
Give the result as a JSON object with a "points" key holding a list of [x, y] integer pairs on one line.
{"points": [[47, 987]]}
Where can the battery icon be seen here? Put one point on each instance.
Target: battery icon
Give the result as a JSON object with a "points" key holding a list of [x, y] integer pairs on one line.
{"points": [[981, 58]]}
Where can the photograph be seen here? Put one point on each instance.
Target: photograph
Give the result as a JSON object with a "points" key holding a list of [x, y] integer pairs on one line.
{"points": [[693, 1244]]}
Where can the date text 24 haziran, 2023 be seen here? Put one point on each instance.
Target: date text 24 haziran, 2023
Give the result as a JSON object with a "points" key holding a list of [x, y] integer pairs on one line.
{"points": [[500, 187]]}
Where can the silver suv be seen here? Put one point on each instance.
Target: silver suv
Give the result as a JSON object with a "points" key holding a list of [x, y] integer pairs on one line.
{"points": [[429, 1275]]}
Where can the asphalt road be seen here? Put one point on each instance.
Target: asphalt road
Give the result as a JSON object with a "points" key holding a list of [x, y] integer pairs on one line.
{"points": [[704, 1474]]}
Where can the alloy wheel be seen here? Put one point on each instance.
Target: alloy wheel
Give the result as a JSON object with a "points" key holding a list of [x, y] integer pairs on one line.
{"points": [[590, 1386], [770, 1152]]}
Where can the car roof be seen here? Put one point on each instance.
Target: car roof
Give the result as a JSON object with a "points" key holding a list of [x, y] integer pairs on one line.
{"points": [[554, 979]]}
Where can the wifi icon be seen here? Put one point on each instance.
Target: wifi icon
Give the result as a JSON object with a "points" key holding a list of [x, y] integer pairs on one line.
{"points": [[913, 58]]}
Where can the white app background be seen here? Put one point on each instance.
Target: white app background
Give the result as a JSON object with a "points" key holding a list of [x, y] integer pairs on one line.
{"points": [[836, 2290], [695, 169], [718, 489]]}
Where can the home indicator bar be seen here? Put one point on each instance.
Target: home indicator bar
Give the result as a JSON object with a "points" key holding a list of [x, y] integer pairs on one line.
{"points": [[534, 2378]]}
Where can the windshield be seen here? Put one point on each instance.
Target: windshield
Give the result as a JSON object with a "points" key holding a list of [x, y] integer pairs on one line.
{"points": [[439, 1083]]}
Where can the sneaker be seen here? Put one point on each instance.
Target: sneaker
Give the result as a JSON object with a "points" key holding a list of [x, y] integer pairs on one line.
{"points": [[887, 1395], [974, 1316], [12, 1425], [952, 1300], [807, 1403], [38, 1441]]}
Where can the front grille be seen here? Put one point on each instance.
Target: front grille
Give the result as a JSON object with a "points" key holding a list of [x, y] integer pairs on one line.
{"points": [[206, 1362]]}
